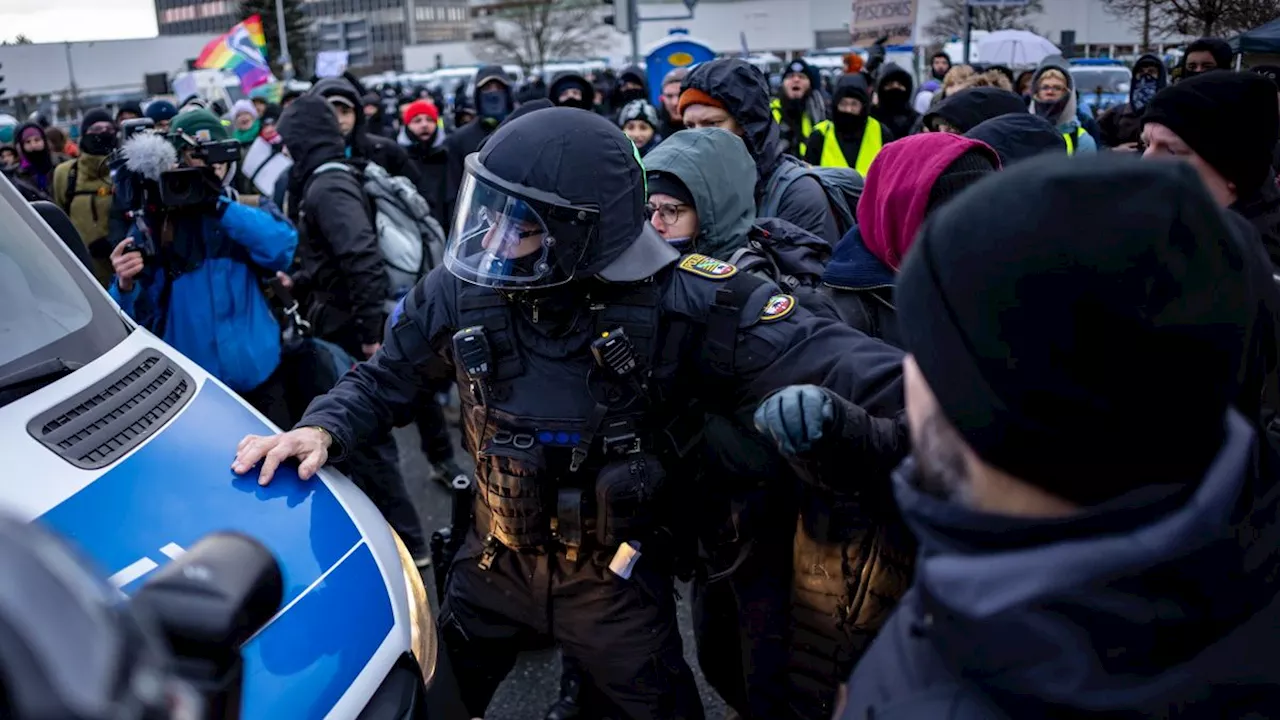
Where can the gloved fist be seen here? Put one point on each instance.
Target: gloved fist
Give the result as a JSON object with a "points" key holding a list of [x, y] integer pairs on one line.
{"points": [[796, 417]]}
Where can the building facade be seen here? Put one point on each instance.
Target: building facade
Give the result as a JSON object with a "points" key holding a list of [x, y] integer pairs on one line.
{"points": [[373, 32]]}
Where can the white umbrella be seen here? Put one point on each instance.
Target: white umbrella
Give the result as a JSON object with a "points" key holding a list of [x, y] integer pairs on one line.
{"points": [[1015, 47]]}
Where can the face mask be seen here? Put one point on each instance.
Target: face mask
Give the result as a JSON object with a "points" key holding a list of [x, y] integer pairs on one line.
{"points": [[1050, 110], [632, 94], [1144, 88], [493, 105], [848, 122], [894, 98], [98, 143]]}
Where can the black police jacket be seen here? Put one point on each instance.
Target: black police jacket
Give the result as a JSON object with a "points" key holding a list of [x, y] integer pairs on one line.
{"points": [[545, 384]]}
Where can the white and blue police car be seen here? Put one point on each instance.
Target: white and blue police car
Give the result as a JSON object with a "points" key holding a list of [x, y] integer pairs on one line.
{"points": [[119, 443]]}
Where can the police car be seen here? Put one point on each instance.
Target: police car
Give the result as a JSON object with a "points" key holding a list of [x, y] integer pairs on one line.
{"points": [[122, 445], [1101, 83]]}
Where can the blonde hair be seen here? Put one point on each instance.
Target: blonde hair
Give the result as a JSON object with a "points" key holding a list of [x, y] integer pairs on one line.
{"points": [[990, 78], [1052, 72], [956, 75]]}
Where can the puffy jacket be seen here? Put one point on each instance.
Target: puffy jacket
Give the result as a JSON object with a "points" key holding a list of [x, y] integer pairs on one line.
{"points": [[1162, 603], [214, 311], [89, 207], [744, 92]]}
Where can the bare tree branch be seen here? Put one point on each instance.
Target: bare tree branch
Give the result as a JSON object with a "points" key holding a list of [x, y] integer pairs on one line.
{"points": [[1194, 18], [950, 22], [531, 34]]}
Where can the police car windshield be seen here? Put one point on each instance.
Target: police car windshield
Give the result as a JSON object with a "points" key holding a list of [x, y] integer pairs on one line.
{"points": [[1111, 80], [49, 306]]}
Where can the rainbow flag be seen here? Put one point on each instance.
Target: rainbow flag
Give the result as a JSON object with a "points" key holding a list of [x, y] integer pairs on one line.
{"points": [[243, 50]]}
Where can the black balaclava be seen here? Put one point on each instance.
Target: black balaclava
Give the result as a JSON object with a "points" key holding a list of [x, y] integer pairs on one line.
{"points": [[622, 97], [98, 144], [42, 161], [849, 127]]}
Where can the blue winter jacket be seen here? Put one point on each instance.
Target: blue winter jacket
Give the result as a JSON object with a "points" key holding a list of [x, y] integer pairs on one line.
{"points": [[216, 312], [1162, 603]]}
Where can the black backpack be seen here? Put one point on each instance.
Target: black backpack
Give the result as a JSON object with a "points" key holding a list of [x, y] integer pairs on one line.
{"points": [[783, 253]]}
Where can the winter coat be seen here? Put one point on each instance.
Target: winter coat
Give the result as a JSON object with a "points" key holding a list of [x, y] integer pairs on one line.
{"points": [[849, 85], [899, 120], [1065, 120], [432, 162], [90, 207], [1122, 124], [1019, 137], [1262, 210], [968, 108], [742, 89], [213, 310], [342, 267], [1161, 603], [37, 170], [466, 140]]}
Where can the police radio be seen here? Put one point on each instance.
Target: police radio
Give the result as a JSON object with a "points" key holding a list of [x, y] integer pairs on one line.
{"points": [[615, 352], [471, 352]]}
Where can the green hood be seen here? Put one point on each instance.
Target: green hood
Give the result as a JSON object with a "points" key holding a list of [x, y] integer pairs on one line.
{"points": [[718, 170]]}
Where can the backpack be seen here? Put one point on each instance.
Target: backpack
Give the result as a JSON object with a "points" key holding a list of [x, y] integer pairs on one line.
{"points": [[843, 186], [410, 239]]}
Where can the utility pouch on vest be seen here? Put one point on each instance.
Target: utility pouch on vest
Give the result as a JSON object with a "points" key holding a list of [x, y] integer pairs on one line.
{"points": [[626, 491], [510, 471], [572, 521]]}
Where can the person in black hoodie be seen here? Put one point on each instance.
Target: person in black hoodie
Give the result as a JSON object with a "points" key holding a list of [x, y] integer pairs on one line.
{"points": [[965, 110], [732, 94], [848, 128], [631, 85], [569, 89], [422, 136], [344, 278], [494, 101], [1019, 136], [1091, 543], [1205, 55], [1120, 127], [36, 159], [892, 105], [344, 95]]}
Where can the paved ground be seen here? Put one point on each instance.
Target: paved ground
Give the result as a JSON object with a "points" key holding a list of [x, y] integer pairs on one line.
{"points": [[535, 682]]}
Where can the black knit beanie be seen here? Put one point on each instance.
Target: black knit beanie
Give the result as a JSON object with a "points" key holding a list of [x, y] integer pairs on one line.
{"points": [[964, 171], [1231, 119], [1081, 350], [666, 183], [93, 117]]}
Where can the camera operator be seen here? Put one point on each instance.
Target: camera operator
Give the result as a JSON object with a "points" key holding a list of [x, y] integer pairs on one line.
{"points": [[189, 268]]}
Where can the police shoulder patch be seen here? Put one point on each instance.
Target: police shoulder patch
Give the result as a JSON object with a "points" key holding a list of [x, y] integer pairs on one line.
{"points": [[778, 307], [707, 267]]}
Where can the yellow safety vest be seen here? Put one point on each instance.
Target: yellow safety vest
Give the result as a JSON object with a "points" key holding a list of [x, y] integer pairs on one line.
{"points": [[833, 156], [1071, 139], [806, 125]]}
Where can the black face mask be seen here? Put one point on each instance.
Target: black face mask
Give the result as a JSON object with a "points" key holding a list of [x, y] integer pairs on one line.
{"points": [[893, 99], [41, 160], [848, 123], [632, 94], [98, 143]]}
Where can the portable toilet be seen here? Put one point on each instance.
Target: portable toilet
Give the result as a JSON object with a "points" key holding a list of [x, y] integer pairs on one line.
{"points": [[676, 50]]}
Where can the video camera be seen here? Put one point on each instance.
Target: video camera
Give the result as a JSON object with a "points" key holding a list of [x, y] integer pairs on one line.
{"points": [[194, 186]]}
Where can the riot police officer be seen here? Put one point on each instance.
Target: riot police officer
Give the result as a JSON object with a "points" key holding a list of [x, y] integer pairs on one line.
{"points": [[577, 337]]}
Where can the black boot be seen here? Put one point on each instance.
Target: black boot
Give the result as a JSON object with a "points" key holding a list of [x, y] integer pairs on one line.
{"points": [[567, 707]]}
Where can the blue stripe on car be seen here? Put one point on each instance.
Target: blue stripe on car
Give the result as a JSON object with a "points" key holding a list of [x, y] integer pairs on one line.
{"points": [[179, 487]]}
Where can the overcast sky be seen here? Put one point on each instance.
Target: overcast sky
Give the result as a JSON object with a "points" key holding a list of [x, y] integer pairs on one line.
{"points": [[58, 20]]}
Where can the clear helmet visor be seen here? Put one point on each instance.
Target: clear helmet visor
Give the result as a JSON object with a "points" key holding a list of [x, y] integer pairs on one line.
{"points": [[503, 241]]}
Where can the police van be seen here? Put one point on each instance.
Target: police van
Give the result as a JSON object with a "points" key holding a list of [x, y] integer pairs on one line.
{"points": [[117, 442]]}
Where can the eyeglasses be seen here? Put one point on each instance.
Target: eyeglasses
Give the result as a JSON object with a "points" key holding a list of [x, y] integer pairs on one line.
{"points": [[669, 212], [1053, 88]]}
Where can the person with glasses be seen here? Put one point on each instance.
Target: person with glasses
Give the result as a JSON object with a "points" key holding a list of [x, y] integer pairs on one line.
{"points": [[1054, 99]]}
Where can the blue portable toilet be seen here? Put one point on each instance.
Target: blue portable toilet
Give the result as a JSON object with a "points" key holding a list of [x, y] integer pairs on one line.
{"points": [[676, 50]]}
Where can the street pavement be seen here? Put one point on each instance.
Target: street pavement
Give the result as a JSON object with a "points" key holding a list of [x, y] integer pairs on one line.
{"points": [[535, 682]]}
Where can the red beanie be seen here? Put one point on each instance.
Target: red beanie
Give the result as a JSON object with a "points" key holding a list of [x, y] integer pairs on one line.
{"points": [[419, 107]]}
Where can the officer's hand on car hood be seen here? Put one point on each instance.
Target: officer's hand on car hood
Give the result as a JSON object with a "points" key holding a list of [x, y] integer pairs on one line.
{"points": [[309, 445]]}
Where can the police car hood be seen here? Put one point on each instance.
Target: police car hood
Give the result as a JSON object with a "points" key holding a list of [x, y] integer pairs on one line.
{"points": [[718, 171]]}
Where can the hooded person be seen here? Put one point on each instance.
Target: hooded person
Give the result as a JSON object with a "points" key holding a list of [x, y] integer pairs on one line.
{"points": [[909, 181], [569, 89], [639, 120], [9, 158], [732, 94], [850, 132], [422, 135], [1060, 527], [1054, 99], [83, 188], [375, 118], [344, 93], [161, 112], [669, 110], [1272, 73], [701, 201], [799, 105], [1184, 121], [494, 101], [965, 110], [36, 159], [1018, 137], [245, 122], [1120, 127], [1205, 55], [892, 102], [631, 85], [128, 110]]}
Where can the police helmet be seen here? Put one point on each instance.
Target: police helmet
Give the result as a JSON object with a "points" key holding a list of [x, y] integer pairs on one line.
{"points": [[71, 647], [552, 196]]}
